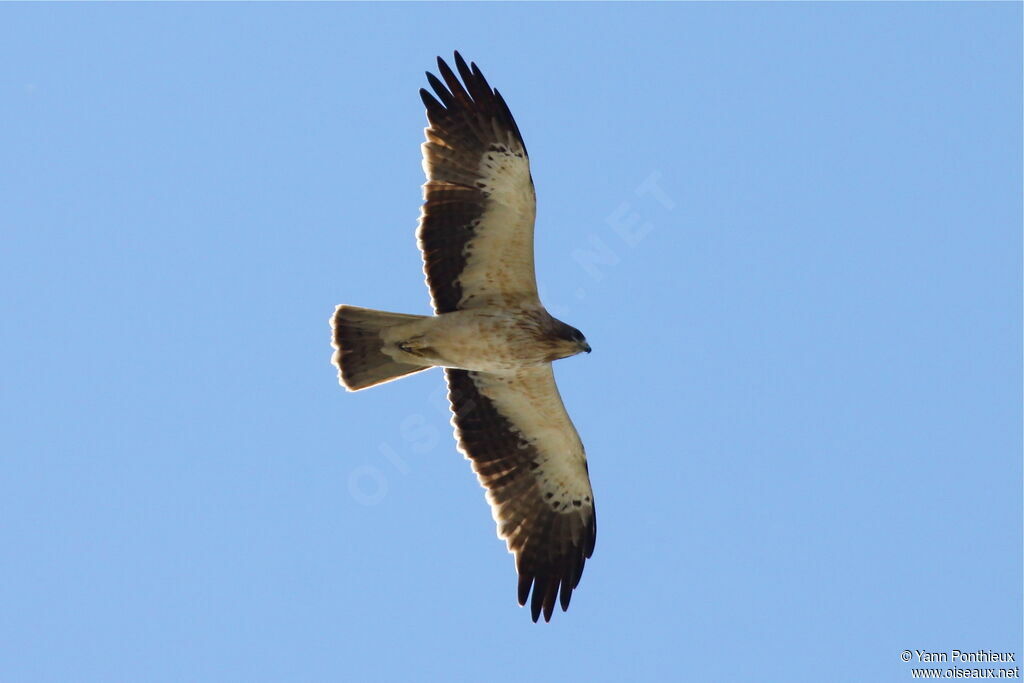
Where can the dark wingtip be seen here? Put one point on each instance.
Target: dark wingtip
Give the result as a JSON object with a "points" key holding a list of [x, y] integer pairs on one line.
{"points": [[460, 63], [540, 586], [549, 607], [525, 582], [568, 582], [467, 89], [430, 102]]}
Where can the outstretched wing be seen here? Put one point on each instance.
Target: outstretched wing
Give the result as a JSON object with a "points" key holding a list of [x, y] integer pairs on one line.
{"points": [[476, 225], [528, 456]]}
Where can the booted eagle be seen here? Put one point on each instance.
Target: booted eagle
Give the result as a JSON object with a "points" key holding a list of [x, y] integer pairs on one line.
{"points": [[491, 334]]}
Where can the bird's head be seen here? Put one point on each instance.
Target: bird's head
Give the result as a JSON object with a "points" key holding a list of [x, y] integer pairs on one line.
{"points": [[567, 341]]}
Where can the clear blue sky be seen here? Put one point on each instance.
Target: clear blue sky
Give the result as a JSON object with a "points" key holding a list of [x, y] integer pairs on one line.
{"points": [[802, 413]]}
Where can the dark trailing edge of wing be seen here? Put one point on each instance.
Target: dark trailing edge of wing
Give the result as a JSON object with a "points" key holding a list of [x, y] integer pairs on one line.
{"points": [[551, 548]]}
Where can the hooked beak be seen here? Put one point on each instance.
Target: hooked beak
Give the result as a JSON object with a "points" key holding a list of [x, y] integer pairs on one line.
{"points": [[586, 347]]}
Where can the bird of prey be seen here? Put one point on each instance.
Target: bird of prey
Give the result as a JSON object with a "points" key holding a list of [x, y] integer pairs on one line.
{"points": [[490, 333]]}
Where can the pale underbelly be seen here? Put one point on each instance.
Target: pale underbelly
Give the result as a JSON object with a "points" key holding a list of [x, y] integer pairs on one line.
{"points": [[472, 340]]}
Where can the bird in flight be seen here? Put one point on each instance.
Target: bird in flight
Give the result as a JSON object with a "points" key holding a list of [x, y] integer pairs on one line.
{"points": [[490, 333]]}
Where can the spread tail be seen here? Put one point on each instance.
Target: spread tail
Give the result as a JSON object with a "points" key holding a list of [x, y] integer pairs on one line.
{"points": [[360, 357]]}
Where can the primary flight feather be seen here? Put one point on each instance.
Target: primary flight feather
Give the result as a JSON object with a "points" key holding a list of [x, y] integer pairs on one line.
{"points": [[492, 335]]}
